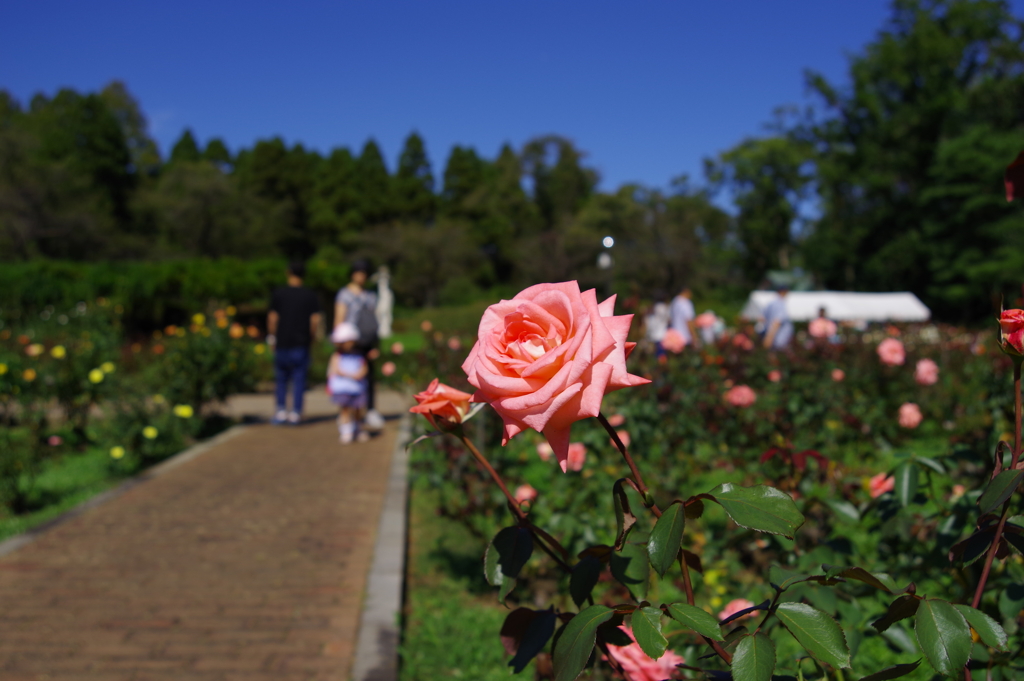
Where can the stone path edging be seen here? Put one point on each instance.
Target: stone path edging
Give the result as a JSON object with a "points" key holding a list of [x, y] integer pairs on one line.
{"points": [[376, 653]]}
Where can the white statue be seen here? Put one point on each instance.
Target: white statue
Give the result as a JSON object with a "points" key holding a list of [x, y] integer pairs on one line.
{"points": [[385, 302]]}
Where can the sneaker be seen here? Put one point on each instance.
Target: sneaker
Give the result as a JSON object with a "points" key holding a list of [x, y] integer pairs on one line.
{"points": [[279, 417], [373, 420], [346, 431], [294, 418]]}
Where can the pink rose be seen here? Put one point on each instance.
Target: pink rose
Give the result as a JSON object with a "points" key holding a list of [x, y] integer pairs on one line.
{"points": [[742, 342], [397, 348], [442, 404], [623, 438], [705, 320], [910, 415], [454, 343], [54, 440], [577, 456], [957, 492], [774, 375], [638, 666], [388, 368], [740, 396], [616, 420], [880, 484], [673, 341], [838, 375], [525, 493], [891, 352], [426, 326], [733, 607], [1011, 326], [822, 328], [546, 359], [926, 372], [544, 451]]}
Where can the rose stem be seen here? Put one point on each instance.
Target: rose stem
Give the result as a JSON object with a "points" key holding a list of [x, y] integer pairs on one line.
{"points": [[637, 478], [1006, 506], [722, 652], [514, 505]]}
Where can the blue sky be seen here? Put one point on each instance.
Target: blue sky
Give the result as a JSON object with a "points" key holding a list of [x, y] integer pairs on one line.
{"points": [[647, 89]]}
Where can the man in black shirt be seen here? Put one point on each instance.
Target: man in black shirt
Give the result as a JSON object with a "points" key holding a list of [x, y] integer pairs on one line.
{"points": [[292, 323]]}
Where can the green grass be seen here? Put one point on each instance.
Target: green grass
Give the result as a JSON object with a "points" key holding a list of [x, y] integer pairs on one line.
{"points": [[62, 484]]}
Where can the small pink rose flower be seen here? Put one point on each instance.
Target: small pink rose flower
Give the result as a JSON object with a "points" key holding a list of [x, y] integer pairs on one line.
{"points": [[822, 328], [388, 368], [673, 341], [1011, 326], [54, 440], [578, 456], [838, 375], [442, 405], [733, 607], [705, 320], [525, 493], [426, 326], [741, 341], [638, 666], [774, 375], [616, 420], [623, 438], [546, 359], [740, 396], [910, 415], [926, 372], [880, 484], [454, 343], [957, 492], [891, 352], [397, 348], [544, 451]]}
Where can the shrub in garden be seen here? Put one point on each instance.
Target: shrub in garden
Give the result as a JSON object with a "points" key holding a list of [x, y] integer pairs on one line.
{"points": [[723, 499]]}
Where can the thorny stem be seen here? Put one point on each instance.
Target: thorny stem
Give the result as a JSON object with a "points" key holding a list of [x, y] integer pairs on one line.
{"points": [[1015, 455], [688, 586], [637, 478]]}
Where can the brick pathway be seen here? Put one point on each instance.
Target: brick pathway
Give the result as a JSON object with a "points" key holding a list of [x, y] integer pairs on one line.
{"points": [[245, 563]]}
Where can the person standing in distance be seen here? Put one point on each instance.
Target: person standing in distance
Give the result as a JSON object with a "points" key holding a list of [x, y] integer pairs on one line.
{"points": [[357, 306], [292, 324], [777, 324], [683, 316]]}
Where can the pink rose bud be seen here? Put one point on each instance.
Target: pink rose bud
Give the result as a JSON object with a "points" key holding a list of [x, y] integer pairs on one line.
{"points": [[733, 607], [426, 326], [838, 375], [623, 438], [544, 451], [616, 420], [740, 396], [926, 372], [910, 415], [54, 440], [1011, 328], [454, 343], [442, 405], [397, 348], [957, 492], [577, 456], [525, 493], [388, 368], [546, 359], [880, 484], [673, 341], [774, 375], [891, 352]]}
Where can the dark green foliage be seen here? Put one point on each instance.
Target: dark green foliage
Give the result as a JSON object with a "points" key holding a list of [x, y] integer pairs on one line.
{"points": [[185, 150]]}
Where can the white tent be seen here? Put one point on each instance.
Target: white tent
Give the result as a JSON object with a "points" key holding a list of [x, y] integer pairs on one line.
{"points": [[841, 306]]}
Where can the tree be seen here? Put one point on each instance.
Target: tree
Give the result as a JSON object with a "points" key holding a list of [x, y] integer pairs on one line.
{"points": [[373, 184], [560, 183], [144, 153], [185, 150], [414, 182], [216, 152]]}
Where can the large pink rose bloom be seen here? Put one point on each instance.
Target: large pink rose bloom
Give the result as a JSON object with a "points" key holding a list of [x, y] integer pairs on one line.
{"points": [[673, 341], [822, 328], [638, 666], [910, 415], [926, 372], [891, 352], [740, 396], [546, 358]]}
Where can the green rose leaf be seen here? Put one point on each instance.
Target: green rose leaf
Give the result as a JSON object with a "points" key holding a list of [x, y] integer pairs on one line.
{"points": [[900, 609], [817, 632], [754, 659], [577, 642], [525, 633], [505, 557], [632, 567], [693, 617], [879, 580], [999, 490], [667, 538], [893, 672], [760, 507], [647, 630], [624, 518], [906, 483], [584, 579], [943, 635], [989, 631]]}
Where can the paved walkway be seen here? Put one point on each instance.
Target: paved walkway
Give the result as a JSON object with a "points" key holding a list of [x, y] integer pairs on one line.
{"points": [[247, 562]]}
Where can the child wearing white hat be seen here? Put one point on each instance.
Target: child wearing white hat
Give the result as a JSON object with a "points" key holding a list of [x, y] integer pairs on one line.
{"points": [[346, 382]]}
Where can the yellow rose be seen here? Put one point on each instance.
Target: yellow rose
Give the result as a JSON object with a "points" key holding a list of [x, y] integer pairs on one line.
{"points": [[260, 348], [29, 375], [149, 432], [96, 376], [183, 411], [58, 352], [117, 452], [198, 319], [3, 368], [107, 367]]}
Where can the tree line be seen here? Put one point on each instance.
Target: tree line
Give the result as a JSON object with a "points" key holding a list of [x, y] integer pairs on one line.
{"points": [[890, 181]]}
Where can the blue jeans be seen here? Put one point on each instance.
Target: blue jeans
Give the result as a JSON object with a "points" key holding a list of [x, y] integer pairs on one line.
{"points": [[291, 364]]}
